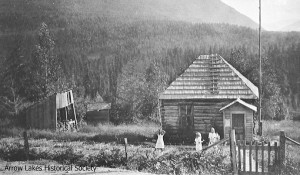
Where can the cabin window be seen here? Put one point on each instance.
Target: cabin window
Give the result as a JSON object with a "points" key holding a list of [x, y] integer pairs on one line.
{"points": [[186, 115]]}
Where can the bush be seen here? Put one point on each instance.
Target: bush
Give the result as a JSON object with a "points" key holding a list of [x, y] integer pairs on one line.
{"points": [[12, 151], [141, 158], [290, 168]]}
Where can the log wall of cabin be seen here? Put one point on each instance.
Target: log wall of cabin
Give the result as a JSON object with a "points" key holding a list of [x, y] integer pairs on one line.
{"points": [[170, 118], [237, 108], [206, 115]]}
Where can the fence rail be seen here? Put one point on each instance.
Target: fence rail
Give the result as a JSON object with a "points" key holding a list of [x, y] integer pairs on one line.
{"points": [[217, 143], [293, 141]]}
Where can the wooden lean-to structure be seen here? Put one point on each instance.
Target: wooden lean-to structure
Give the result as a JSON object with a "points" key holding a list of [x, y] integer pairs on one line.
{"points": [[57, 112], [210, 93]]}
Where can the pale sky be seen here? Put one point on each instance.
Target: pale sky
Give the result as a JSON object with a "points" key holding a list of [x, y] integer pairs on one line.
{"points": [[276, 14]]}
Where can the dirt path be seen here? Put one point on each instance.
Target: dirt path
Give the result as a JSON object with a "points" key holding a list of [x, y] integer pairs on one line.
{"points": [[40, 169]]}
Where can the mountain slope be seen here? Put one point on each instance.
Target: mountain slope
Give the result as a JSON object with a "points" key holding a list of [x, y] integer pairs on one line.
{"points": [[196, 11]]}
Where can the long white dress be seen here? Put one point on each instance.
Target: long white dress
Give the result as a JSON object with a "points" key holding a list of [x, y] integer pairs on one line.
{"points": [[160, 141], [198, 144]]}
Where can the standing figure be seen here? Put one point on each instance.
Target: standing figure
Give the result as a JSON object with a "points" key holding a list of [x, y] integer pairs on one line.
{"points": [[213, 136], [198, 141], [160, 141]]}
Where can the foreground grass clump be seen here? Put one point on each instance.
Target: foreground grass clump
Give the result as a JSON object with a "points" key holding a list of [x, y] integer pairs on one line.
{"points": [[100, 133], [140, 158]]}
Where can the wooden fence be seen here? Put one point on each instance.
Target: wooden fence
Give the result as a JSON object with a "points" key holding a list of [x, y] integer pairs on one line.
{"points": [[258, 158]]}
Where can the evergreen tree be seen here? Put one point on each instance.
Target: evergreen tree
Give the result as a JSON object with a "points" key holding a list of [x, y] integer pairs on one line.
{"points": [[45, 66]]}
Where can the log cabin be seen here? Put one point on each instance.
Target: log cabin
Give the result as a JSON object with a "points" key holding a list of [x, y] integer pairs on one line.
{"points": [[209, 93]]}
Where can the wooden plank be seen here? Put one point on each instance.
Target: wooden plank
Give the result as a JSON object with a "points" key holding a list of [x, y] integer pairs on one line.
{"points": [[239, 155], [262, 158], [170, 117], [175, 106], [170, 112], [244, 155], [250, 157], [233, 151], [259, 147], [53, 111], [175, 125], [168, 108], [171, 122], [208, 114], [256, 157], [217, 143], [196, 108], [293, 141], [198, 118], [276, 153], [269, 154]]}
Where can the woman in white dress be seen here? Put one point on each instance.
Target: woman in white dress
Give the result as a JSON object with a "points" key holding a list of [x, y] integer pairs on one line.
{"points": [[213, 136], [160, 141], [198, 141]]}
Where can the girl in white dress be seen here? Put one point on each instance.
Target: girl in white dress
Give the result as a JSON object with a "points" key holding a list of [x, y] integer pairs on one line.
{"points": [[160, 141], [198, 141]]}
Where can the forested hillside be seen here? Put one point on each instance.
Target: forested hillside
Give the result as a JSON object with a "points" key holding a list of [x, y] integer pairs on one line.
{"points": [[48, 46]]}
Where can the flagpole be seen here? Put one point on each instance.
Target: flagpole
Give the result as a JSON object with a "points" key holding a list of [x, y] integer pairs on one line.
{"points": [[260, 71]]}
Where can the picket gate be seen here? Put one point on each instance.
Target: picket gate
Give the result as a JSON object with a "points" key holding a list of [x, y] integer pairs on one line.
{"points": [[256, 158]]}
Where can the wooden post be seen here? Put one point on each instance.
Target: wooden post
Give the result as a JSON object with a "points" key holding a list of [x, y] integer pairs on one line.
{"points": [[233, 152], [125, 142], [240, 157], [250, 157], [269, 155], [276, 153], [259, 129], [26, 145], [262, 157], [74, 113], [244, 155], [256, 157], [282, 148]]}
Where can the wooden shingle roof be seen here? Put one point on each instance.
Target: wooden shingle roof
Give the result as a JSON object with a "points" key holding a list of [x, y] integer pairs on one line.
{"points": [[211, 77]]}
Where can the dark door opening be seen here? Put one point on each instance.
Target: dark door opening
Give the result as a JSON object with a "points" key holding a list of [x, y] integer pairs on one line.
{"points": [[238, 123], [187, 118]]}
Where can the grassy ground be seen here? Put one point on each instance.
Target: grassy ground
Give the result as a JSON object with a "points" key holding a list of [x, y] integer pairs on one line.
{"points": [[99, 133], [271, 129], [291, 128], [100, 146]]}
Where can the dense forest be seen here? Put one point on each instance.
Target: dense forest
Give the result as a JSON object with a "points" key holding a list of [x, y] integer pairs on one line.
{"points": [[48, 46]]}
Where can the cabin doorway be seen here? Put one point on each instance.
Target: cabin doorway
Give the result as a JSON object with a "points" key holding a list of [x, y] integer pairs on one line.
{"points": [[187, 119], [238, 123]]}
